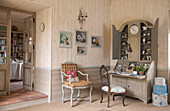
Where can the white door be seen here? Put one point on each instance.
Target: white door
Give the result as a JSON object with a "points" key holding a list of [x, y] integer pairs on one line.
{"points": [[28, 54], [5, 47]]}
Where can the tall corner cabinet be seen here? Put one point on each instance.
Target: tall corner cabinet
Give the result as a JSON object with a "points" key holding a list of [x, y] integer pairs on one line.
{"points": [[136, 41]]}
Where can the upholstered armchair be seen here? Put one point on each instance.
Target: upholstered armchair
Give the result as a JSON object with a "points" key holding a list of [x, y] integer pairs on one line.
{"points": [[70, 80]]}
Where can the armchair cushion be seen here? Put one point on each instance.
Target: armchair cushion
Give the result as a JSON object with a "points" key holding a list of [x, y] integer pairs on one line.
{"points": [[72, 73], [74, 79], [80, 83], [114, 89]]}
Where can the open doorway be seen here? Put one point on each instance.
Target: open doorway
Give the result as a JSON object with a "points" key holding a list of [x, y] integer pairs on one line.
{"points": [[17, 36], [18, 28]]}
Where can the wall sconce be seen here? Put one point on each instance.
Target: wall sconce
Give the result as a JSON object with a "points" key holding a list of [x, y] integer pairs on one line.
{"points": [[82, 17]]}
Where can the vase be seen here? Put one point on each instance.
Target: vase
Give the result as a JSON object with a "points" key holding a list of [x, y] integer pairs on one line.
{"points": [[141, 73], [143, 40]]}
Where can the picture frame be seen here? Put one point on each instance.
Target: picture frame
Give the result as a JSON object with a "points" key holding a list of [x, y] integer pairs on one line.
{"points": [[96, 41], [81, 37], [81, 50], [65, 39]]}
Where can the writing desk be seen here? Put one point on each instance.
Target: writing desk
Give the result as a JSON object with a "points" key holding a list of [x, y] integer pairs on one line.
{"points": [[135, 86]]}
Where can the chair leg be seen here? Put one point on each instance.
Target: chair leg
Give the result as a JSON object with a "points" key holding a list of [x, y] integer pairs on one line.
{"points": [[63, 94], [101, 96], [108, 99], [71, 97], [113, 97], [78, 94], [124, 95], [91, 88]]}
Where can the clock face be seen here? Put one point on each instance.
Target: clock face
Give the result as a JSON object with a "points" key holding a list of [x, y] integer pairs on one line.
{"points": [[134, 29], [42, 27]]}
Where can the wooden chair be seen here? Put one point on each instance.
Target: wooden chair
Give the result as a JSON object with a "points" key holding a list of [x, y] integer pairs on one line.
{"points": [[111, 90], [72, 85]]}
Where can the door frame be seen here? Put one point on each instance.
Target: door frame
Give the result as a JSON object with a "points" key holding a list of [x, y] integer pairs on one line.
{"points": [[9, 10], [169, 55]]}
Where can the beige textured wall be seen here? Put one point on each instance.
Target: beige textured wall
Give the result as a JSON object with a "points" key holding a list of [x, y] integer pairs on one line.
{"points": [[65, 14], [43, 39], [149, 10]]}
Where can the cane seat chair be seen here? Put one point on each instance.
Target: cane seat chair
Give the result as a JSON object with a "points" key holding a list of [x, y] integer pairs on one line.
{"points": [[72, 82], [110, 90]]}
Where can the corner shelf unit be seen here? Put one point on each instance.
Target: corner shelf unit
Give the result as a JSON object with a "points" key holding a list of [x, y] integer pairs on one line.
{"points": [[143, 44]]}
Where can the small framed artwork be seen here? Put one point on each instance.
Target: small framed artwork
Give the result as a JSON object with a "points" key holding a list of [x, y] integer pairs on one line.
{"points": [[81, 50], [81, 37], [96, 41], [65, 40]]}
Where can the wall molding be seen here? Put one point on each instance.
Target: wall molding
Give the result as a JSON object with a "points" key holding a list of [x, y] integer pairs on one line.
{"points": [[81, 67], [163, 69]]}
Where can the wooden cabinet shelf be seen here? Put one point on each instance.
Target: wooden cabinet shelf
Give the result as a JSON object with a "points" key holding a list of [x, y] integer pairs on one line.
{"points": [[3, 31], [146, 36], [146, 44], [3, 37], [2, 50]]}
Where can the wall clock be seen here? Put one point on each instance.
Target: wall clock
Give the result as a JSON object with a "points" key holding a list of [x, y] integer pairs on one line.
{"points": [[42, 27], [134, 29]]}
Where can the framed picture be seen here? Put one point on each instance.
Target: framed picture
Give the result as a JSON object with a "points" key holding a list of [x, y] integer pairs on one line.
{"points": [[65, 40], [81, 37], [96, 41], [81, 50]]}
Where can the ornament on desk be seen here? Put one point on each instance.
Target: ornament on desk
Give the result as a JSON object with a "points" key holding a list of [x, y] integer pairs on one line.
{"points": [[144, 28], [143, 40], [144, 34], [143, 52]]}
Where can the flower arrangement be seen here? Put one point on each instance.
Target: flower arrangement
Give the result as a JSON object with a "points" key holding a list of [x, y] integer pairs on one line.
{"points": [[96, 41], [141, 70], [65, 39], [81, 50], [81, 37]]}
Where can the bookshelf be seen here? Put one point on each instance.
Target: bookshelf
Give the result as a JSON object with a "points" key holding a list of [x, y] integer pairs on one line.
{"points": [[17, 45], [3, 43]]}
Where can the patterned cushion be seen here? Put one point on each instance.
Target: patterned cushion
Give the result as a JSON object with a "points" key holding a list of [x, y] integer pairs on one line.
{"points": [[80, 83], [115, 89], [68, 67], [72, 73]]}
